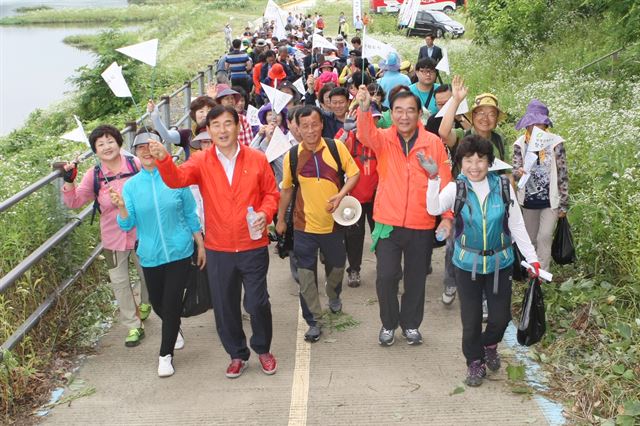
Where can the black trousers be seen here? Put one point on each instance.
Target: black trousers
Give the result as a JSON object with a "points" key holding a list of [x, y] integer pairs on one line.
{"points": [[415, 246], [470, 292], [228, 273], [166, 284], [354, 239]]}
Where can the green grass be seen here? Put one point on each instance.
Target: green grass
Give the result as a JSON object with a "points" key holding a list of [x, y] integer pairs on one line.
{"points": [[132, 14]]}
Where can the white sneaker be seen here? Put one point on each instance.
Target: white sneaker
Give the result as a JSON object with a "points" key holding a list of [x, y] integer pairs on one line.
{"points": [[165, 366], [179, 342]]}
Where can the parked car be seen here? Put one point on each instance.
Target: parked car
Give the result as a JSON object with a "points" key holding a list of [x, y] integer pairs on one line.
{"points": [[436, 23]]}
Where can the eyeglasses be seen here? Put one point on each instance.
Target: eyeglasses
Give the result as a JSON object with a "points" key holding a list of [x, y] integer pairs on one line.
{"points": [[483, 114], [427, 71]]}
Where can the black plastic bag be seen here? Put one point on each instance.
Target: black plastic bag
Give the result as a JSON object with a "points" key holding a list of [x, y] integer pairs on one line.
{"points": [[197, 299], [519, 272], [532, 318], [562, 249]]}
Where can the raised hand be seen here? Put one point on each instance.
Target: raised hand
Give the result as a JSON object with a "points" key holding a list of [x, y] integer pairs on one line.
{"points": [[428, 164], [116, 198], [458, 88], [70, 172], [157, 150], [363, 97], [151, 106]]}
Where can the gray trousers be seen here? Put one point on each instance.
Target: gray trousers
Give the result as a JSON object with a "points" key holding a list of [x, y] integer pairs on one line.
{"points": [[540, 224], [126, 294]]}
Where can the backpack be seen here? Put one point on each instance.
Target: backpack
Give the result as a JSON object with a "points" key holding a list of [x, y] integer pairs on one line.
{"points": [[461, 199], [98, 177], [333, 149]]}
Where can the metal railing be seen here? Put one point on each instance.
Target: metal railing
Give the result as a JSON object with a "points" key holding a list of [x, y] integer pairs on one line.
{"points": [[201, 79]]}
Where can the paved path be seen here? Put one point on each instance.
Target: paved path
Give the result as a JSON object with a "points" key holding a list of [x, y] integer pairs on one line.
{"points": [[345, 378]]}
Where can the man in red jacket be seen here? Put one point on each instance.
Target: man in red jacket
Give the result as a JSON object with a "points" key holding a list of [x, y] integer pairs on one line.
{"points": [[232, 178], [403, 227]]}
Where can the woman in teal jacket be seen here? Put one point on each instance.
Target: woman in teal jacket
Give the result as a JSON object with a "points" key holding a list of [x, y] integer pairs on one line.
{"points": [[485, 227], [167, 224]]}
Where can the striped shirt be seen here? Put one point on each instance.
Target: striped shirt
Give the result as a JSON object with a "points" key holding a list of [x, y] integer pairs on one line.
{"points": [[236, 62]]}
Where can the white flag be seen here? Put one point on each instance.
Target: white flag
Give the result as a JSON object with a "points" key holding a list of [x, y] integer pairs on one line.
{"points": [[462, 108], [541, 140], [114, 78], [278, 145], [252, 116], [274, 13], [77, 134], [443, 65], [321, 42], [372, 48], [299, 84], [146, 52], [498, 164], [529, 160], [278, 99]]}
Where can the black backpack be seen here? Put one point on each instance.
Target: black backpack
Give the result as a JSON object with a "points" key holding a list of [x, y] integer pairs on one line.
{"points": [[98, 177]]}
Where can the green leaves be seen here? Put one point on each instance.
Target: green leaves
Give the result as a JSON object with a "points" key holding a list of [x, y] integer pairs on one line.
{"points": [[515, 372]]}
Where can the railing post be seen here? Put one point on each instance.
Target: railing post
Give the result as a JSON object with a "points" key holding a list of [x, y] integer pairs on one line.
{"points": [[187, 102], [130, 135], [209, 73], [201, 87]]}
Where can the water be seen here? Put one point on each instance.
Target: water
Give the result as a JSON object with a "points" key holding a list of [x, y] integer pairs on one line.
{"points": [[35, 64]]}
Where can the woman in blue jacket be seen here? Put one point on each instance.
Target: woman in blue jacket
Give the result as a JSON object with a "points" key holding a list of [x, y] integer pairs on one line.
{"points": [[485, 226], [167, 224]]}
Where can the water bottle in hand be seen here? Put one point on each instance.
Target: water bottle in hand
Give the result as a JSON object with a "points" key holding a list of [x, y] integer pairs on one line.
{"points": [[442, 234], [251, 218]]}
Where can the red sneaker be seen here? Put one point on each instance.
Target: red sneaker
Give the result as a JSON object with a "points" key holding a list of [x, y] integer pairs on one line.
{"points": [[236, 368], [269, 364]]}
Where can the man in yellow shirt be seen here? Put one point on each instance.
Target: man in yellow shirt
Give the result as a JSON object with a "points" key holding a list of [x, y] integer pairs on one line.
{"points": [[320, 186]]}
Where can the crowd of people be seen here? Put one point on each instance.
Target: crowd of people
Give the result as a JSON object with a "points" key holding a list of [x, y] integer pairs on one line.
{"points": [[352, 128]]}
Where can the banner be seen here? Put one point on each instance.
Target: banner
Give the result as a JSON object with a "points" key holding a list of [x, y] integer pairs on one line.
{"points": [[357, 11], [408, 13]]}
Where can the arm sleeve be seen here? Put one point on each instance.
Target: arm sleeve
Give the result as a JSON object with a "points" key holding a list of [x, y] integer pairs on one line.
{"points": [[517, 161], [287, 179], [130, 222], [310, 98], [444, 171], [519, 232], [268, 188], [440, 201], [563, 176], [188, 173], [367, 132], [171, 136], [81, 194], [190, 210]]}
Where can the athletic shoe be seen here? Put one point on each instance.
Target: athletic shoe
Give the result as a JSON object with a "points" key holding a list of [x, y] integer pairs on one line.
{"points": [[449, 295], [134, 337], [335, 305], [485, 311], [179, 341], [268, 362], [353, 279], [475, 373], [165, 366], [313, 333], [386, 337], [412, 335], [236, 368], [492, 357], [145, 311]]}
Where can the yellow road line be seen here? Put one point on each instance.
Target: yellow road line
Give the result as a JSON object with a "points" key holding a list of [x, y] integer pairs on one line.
{"points": [[300, 385]]}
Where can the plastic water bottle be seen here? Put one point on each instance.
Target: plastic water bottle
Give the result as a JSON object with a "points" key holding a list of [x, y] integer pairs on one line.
{"points": [[251, 218], [442, 234]]}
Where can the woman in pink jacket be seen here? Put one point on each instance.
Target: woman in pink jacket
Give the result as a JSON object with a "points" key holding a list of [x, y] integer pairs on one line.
{"points": [[112, 172]]}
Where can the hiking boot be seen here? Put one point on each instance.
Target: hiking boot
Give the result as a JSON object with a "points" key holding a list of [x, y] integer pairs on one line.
{"points": [[335, 305], [449, 295], [412, 335], [134, 337], [475, 373], [485, 311], [268, 362], [353, 280], [179, 342], [236, 368], [492, 357], [165, 366], [386, 337], [313, 334], [145, 311]]}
